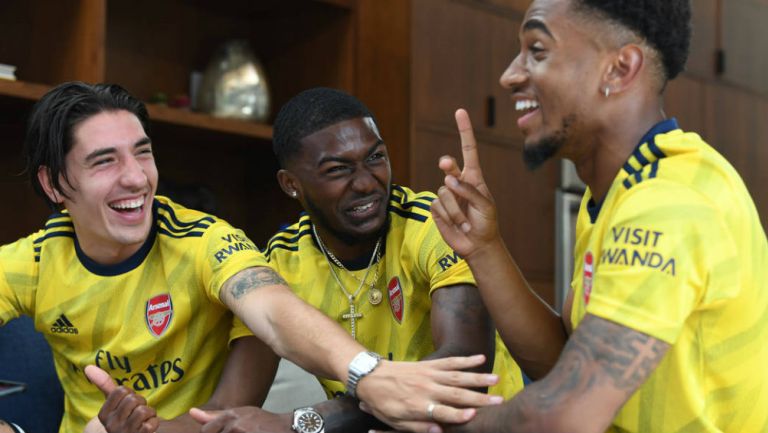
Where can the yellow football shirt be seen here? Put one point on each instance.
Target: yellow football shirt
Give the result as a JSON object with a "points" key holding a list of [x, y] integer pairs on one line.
{"points": [[415, 262], [676, 251], [152, 322]]}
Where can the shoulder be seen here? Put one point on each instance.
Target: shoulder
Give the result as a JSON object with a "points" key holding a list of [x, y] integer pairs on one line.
{"points": [[286, 242], [674, 170], [177, 222], [58, 232], [407, 204]]}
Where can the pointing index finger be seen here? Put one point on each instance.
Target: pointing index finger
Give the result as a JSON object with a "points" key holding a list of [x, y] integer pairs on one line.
{"points": [[468, 142]]}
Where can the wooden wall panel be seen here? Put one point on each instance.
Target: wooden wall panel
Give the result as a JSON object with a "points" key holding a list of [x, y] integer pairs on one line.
{"points": [[745, 40], [704, 44], [451, 52], [738, 127], [52, 42], [685, 100], [382, 71]]}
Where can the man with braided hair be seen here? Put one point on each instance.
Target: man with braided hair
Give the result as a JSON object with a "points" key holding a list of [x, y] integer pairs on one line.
{"points": [[665, 328]]}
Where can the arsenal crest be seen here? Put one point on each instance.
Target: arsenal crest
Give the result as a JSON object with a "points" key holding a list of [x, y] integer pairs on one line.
{"points": [[159, 314], [396, 301], [588, 270]]}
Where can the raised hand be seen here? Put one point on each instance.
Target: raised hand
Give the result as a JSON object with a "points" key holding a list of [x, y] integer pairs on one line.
{"points": [[433, 392], [124, 410], [464, 211], [249, 419]]}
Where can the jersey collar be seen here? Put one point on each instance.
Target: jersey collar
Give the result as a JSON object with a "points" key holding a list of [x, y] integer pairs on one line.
{"points": [[126, 265], [663, 127]]}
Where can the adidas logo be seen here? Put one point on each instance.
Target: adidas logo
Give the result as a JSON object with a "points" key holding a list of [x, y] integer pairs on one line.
{"points": [[63, 326]]}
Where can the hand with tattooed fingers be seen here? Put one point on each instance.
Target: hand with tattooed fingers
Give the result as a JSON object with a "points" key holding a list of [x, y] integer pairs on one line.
{"points": [[464, 211]]}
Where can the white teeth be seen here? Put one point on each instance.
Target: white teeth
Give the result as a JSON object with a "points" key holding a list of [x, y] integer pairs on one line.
{"points": [[363, 207], [128, 204], [526, 105]]}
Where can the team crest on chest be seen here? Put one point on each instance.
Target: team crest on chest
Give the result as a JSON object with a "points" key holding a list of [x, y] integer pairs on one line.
{"points": [[159, 313], [588, 271], [396, 299]]}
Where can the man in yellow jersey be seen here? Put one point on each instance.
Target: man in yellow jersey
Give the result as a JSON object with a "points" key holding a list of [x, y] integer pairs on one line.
{"points": [[367, 253], [666, 327], [141, 287]]}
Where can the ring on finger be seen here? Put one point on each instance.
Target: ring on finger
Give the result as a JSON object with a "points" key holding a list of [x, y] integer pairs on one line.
{"points": [[431, 410]]}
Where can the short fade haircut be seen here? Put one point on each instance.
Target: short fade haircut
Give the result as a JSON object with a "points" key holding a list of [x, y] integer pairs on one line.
{"points": [[309, 112], [51, 127], [665, 25]]}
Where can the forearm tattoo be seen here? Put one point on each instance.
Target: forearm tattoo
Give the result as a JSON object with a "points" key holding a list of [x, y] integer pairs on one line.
{"points": [[600, 354], [251, 279]]}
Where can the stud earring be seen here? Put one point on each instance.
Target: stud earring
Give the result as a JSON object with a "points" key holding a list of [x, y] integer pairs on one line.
{"points": [[607, 92], [293, 194]]}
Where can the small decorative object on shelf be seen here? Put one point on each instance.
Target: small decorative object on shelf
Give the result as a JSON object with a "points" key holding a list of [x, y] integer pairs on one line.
{"points": [[7, 72], [234, 84]]}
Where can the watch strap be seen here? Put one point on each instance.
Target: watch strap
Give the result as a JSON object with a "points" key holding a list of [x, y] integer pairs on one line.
{"points": [[361, 365]]}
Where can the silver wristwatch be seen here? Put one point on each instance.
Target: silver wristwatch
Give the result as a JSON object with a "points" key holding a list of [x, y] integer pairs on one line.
{"points": [[307, 420], [361, 365]]}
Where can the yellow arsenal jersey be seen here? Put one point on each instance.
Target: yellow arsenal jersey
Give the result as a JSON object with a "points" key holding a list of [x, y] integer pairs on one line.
{"points": [[153, 322], [676, 251], [415, 262]]}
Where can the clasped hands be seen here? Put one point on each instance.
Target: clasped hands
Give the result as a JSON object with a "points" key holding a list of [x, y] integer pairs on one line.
{"points": [[398, 393]]}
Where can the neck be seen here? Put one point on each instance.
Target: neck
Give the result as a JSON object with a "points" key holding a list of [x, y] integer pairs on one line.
{"points": [[108, 255], [612, 144], [344, 251]]}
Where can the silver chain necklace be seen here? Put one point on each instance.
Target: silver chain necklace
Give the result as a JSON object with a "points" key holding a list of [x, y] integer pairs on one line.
{"points": [[352, 315]]}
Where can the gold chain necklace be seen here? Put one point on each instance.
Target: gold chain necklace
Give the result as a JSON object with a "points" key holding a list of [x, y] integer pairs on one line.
{"points": [[352, 315], [374, 294]]}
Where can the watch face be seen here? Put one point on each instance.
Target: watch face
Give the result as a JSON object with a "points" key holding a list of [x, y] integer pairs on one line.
{"points": [[310, 422]]}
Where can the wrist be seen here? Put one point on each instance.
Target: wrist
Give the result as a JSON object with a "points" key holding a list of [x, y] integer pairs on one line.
{"points": [[363, 364], [307, 420], [494, 248]]}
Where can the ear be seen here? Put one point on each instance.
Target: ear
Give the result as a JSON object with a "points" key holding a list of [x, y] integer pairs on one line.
{"points": [[624, 69], [44, 177], [288, 183]]}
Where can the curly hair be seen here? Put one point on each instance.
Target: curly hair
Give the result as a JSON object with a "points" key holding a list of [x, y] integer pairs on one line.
{"points": [[664, 24], [309, 112]]}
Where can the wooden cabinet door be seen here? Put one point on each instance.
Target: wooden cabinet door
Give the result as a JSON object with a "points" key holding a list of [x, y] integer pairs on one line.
{"points": [[744, 38], [450, 52], [460, 49]]}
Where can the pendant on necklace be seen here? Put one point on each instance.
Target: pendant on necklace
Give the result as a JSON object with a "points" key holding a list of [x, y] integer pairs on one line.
{"points": [[374, 296]]}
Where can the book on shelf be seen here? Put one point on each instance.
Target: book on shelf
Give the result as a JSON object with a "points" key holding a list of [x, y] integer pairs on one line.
{"points": [[7, 72]]}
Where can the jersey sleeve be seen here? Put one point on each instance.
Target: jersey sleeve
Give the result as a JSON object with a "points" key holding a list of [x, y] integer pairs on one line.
{"points": [[666, 253], [442, 265], [238, 330], [225, 251], [18, 279]]}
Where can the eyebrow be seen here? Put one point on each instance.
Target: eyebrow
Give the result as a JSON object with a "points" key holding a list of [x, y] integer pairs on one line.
{"points": [[108, 150], [535, 24], [323, 160]]}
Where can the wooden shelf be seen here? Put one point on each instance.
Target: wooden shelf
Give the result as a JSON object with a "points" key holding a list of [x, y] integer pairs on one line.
{"points": [[175, 116], [23, 90], [157, 113]]}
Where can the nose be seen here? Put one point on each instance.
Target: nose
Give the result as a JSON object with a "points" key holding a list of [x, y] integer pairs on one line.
{"points": [[364, 181], [515, 75], [133, 176]]}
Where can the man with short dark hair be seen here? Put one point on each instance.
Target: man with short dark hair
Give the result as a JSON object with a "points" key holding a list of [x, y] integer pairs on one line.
{"points": [[665, 329], [367, 254], [141, 287]]}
